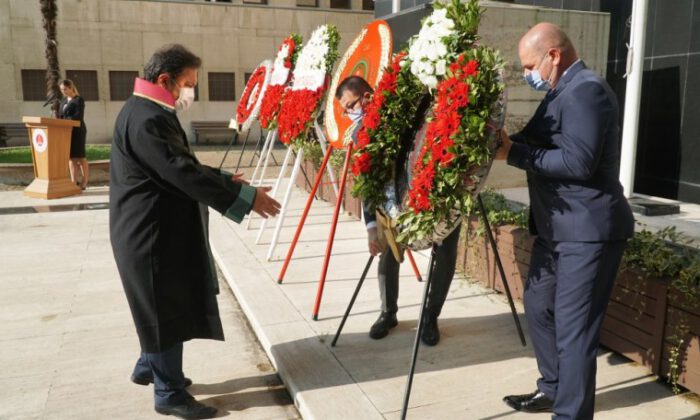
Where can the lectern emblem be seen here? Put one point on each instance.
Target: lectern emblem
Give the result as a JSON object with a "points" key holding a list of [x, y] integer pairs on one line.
{"points": [[40, 140]]}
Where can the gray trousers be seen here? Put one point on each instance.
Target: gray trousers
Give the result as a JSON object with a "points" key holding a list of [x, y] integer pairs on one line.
{"points": [[445, 261]]}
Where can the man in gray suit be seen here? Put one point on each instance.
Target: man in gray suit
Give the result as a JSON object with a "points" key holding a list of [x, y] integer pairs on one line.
{"points": [[570, 150]]}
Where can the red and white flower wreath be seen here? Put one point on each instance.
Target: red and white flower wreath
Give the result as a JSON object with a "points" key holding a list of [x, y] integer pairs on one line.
{"points": [[281, 75], [253, 95], [301, 103]]}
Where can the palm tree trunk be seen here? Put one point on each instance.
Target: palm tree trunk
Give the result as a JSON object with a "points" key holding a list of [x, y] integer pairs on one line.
{"points": [[49, 11]]}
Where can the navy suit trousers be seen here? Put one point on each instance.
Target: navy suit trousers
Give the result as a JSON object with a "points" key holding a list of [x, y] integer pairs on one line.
{"points": [[168, 379], [566, 296]]}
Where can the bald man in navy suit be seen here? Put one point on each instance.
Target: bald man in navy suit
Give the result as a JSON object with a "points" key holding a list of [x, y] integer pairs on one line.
{"points": [[570, 151]]}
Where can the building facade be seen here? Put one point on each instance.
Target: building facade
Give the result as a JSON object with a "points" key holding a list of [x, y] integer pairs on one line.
{"points": [[103, 45]]}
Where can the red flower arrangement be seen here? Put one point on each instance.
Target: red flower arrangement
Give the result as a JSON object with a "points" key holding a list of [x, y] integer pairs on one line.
{"points": [[301, 102], [438, 147], [270, 107], [296, 111], [246, 103], [386, 117], [272, 102]]}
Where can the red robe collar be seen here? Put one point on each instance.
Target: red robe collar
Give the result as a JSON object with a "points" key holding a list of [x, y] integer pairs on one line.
{"points": [[145, 89]]}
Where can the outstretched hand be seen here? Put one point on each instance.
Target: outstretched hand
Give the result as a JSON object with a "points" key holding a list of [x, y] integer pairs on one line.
{"points": [[265, 205]]}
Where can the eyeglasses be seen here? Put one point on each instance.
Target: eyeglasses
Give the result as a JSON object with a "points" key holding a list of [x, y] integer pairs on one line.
{"points": [[349, 108]]}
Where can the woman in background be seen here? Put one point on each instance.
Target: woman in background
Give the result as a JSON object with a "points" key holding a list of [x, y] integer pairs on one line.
{"points": [[73, 108]]}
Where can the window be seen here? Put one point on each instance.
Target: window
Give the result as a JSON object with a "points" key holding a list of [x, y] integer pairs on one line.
{"points": [[367, 4], [340, 4], [34, 85], [246, 77], [307, 3], [222, 87], [86, 81], [121, 84]]}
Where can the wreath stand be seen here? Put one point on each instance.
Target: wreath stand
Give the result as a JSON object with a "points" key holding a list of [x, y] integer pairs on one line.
{"points": [[234, 138], [419, 328], [298, 163], [334, 224]]}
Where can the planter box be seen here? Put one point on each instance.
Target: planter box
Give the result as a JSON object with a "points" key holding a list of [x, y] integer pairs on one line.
{"points": [[634, 322], [514, 248], [352, 204], [678, 311]]}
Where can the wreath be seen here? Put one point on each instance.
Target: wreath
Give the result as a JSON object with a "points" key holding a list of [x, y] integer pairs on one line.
{"points": [[448, 167], [459, 146], [253, 95], [301, 103], [281, 75]]}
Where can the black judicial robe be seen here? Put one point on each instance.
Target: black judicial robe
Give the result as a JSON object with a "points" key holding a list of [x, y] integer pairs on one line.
{"points": [[159, 229]]}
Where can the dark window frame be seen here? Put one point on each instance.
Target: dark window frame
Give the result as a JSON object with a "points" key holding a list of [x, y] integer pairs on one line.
{"points": [[33, 86], [118, 88], [341, 4], [89, 89], [307, 3], [218, 82]]}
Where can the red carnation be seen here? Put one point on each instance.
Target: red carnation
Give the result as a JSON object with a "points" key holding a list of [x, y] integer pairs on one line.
{"points": [[361, 164]]}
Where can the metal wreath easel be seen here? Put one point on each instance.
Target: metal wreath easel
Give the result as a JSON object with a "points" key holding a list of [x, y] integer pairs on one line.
{"points": [[419, 329]]}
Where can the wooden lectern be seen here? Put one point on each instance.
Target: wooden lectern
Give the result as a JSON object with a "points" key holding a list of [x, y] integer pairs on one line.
{"points": [[49, 139]]}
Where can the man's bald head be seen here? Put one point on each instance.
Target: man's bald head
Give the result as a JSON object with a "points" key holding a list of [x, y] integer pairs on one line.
{"points": [[545, 36], [547, 49]]}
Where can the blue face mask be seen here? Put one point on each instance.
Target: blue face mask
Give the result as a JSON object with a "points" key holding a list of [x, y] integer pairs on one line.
{"points": [[534, 79]]}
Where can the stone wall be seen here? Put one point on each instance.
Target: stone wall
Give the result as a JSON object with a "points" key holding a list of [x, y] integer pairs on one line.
{"points": [[106, 35]]}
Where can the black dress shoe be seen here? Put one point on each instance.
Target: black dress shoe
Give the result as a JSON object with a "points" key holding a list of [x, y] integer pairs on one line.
{"points": [[190, 409], [385, 322], [430, 335], [535, 402], [147, 380]]}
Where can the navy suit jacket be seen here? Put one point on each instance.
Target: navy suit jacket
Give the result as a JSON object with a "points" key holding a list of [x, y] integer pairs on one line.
{"points": [[570, 150]]}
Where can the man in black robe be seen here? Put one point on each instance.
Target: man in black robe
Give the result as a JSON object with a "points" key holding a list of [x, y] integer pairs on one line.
{"points": [[159, 199]]}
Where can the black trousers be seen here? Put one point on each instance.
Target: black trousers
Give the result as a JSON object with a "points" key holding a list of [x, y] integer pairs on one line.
{"points": [[445, 261]]}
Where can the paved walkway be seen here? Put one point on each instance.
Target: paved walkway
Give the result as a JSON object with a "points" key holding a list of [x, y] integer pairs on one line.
{"points": [[464, 377], [67, 341]]}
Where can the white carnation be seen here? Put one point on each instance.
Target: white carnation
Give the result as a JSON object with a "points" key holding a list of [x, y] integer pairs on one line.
{"points": [[441, 68]]}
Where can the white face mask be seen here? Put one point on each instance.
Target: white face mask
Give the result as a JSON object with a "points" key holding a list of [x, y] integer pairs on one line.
{"points": [[356, 116], [185, 100]]}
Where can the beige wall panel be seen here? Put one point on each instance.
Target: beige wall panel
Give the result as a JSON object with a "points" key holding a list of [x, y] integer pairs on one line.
{"points": [[220, 51], [11, 111], [154, 40], [179, 14], [28, 48], [81, 11], [255, 17], [79, 46], [25, 14], [5, 33], [7, 86], [119, 47], [253, 50], [120, 11]]}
